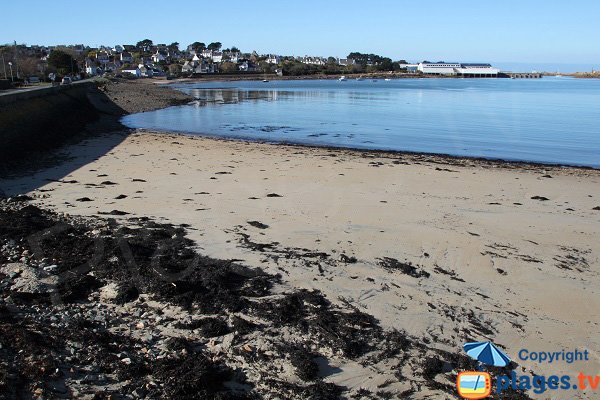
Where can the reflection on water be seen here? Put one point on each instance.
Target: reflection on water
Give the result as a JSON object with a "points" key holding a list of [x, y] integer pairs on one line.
{"points": [[232, 96], [547, 120]]}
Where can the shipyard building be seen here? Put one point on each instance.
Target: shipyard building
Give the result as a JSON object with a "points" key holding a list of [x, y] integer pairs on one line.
{"points": [[467, 70]]}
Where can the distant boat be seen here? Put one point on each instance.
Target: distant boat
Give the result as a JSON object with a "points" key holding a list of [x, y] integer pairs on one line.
{"points": [[265, 80], [374, 80], [387, 79], [342, 78], [360, 78]]}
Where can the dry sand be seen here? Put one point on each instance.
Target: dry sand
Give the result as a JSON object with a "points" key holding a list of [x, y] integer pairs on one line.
{"points": [[513, 247]]}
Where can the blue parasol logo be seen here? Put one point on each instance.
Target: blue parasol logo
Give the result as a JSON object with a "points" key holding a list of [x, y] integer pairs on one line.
{"points": [[487, 353]]}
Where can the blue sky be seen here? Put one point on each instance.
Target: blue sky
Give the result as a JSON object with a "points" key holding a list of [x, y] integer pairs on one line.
{"points": [[528, 31]]}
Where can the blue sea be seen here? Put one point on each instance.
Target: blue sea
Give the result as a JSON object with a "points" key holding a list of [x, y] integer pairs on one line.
{"points": [[548, 120]]}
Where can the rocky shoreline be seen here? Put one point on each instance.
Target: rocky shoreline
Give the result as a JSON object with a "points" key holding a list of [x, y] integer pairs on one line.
{"points": [[141, 96]]}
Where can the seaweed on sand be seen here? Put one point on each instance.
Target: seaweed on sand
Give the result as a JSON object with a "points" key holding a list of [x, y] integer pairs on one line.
{"points": [[391, 265]]}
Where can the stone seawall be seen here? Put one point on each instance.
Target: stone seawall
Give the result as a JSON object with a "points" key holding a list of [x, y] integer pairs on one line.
{"points": [[41, 119]]}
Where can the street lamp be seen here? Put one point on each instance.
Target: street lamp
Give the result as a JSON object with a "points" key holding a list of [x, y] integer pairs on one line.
{"points": [[11, 74]]}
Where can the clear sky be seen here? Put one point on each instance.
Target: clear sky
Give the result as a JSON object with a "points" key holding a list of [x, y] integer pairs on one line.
{"points": [[509, 31]]}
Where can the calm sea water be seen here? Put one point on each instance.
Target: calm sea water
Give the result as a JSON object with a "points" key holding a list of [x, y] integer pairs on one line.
{"points": [[550, 120]]}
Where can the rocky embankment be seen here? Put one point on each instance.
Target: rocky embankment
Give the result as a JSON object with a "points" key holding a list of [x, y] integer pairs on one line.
{"points": [[592, 75], [140, 96], [32, 128]]}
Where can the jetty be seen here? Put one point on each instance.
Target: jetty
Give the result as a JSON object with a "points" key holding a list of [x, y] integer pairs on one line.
{"points": [[520, 75]]}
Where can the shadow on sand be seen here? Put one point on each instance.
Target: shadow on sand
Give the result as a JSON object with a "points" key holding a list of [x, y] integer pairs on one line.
{"points": [[84, 138]]}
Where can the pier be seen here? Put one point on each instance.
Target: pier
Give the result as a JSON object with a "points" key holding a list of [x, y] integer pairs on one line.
{"points": [[520, 75]]}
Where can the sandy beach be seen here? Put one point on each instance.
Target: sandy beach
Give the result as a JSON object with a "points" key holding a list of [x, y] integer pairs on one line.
{"points": [[437, 250], [503, 252]]}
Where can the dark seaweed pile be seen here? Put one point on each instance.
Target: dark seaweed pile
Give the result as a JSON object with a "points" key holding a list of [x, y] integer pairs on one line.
{"points": [[60, 342]]}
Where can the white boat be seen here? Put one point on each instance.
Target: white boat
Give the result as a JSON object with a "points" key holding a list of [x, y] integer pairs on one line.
{"points": [[360, 78], [342, 78], [387, 79]]}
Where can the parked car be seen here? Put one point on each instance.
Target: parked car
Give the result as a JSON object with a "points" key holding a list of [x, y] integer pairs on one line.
{"points": [[66, 80], [34, 79]]}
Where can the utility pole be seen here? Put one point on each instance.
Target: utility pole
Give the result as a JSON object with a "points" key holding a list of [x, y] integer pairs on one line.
{"points": [[17, 59]]}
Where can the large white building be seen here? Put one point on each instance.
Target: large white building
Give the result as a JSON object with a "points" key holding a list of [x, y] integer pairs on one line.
{"points": [[461, 69], [440, 68]]}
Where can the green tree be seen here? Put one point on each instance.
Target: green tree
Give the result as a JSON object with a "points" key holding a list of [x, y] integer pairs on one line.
{"points": [[235, 50], [229, 67], [174, 69], [265, 67], [198, 46], [63, 62], [215, 46], [386, 64], [144, 43]]}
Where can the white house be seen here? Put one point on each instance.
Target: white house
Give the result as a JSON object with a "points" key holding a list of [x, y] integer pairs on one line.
{"points": [[145, 71], [91, 67], [187, 68], [313, 60], [196, 60], [135, 72], [207, 53], [217, 56], [273, 59], [247, 67], [158, 57], [234, 56]]}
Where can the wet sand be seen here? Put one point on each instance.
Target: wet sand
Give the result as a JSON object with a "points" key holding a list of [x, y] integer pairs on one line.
{"points": [[445, 249]]}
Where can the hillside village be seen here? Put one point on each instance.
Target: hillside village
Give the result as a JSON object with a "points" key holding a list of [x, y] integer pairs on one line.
{"points": [[146, 59]]}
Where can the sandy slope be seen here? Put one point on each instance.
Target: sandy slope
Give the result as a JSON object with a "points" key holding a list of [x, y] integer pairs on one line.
{"points": [[526, 270]]}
